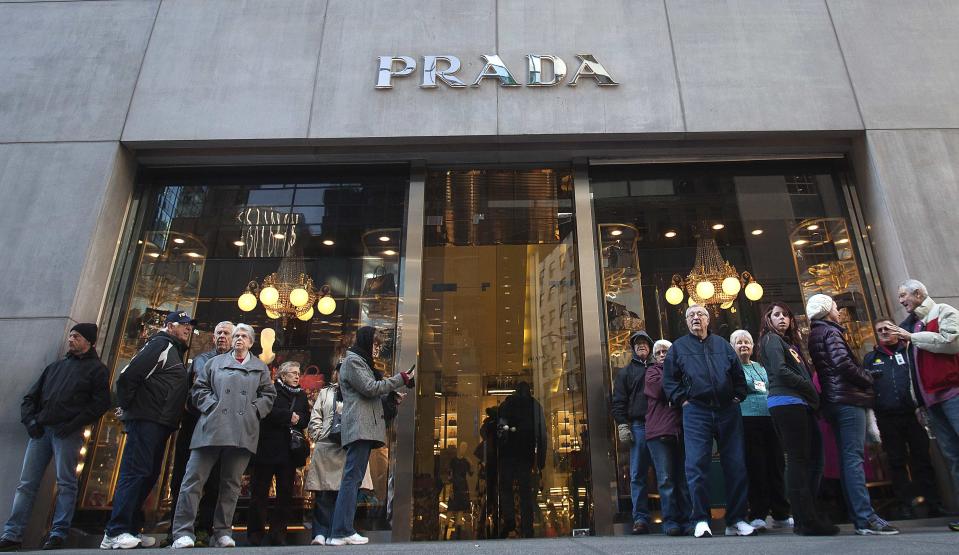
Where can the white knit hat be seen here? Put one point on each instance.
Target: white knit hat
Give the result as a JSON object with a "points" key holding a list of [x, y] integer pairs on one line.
{"points": [[818, 306]]}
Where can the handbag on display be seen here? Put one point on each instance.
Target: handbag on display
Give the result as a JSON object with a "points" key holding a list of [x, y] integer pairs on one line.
{"points": [[380, 284]]}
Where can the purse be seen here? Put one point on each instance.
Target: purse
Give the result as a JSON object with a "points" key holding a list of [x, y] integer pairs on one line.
{"points": [[380, 284], [335, 433], [299, 445]]}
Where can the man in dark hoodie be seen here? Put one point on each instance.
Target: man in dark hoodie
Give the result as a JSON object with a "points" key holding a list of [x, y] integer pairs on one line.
{"points": [[152, 390], [629, 412], [71, 393]]}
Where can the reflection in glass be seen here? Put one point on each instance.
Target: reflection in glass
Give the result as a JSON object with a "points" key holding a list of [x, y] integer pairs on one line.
{"points": [[500, 431]]}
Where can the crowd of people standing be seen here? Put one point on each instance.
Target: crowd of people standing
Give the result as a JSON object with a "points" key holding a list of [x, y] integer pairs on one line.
{"points": [[672, 401]]}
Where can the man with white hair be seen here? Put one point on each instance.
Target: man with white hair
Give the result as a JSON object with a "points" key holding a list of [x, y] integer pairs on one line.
{"points": [[933, 332], [703, 375]]}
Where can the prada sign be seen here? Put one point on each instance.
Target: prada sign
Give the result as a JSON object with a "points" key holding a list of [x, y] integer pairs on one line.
{"points": [[443, 68]]}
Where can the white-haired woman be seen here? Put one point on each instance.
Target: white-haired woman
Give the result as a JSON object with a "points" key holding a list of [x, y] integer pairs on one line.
{"points": [[233, 393], [764, 454], [275, 457], [846, 395]]}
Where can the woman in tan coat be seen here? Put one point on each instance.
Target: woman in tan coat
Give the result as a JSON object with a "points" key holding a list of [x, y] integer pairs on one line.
{"points": [[326, 462]]}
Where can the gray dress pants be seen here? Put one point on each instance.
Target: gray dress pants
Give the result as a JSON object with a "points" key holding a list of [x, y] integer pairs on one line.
{"points": [[233, 461]]}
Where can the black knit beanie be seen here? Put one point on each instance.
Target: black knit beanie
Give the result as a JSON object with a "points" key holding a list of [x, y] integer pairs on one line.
{"points": [[88, 331]]}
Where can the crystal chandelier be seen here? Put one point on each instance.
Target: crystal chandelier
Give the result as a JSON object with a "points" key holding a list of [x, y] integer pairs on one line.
{"points": [[288, 293], [712, 280]]}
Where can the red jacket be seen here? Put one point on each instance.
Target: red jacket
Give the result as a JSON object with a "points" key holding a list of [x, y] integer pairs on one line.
{"points": [[661, 418], [936, 344]]}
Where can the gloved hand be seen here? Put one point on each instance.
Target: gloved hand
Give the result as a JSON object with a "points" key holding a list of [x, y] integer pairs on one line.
{"points": [[625, 435]]}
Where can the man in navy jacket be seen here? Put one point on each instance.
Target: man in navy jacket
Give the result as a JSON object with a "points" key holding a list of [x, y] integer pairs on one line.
{"points": [[702, 374]]}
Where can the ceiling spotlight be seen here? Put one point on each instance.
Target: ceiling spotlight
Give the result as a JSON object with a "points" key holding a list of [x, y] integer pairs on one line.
{"points": [[279, 236], [179, 241], [384, 238], [328, 242], [239, 243], [670, 234], [193, 255], [154, 254], [842, 241], [812, 227], [757, 232], [616, 232], [389, 252], [800, 242], [717, 227]]}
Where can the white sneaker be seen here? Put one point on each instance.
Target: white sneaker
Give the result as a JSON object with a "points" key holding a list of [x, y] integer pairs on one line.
{"points": [[740, 529], [788, 523], [120, 541], [225, 541], [759, 524], [146, 541], [183, 542], [319, 540], [702, 530], [355, 539]]}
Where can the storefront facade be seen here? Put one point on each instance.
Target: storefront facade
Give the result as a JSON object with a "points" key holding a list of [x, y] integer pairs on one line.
{"points": [[513, 230]]}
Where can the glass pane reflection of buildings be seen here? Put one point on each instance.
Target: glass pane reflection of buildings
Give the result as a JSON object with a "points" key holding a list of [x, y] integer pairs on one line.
{"points": [[500, 348]]}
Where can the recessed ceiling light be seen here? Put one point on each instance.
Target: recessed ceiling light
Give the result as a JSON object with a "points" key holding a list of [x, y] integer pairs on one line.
{"points": [[800, 242], [328, 242], [842, 241], [193, 255], [179, 241], [670, 234], [812, 227], [757, 232], [616, 232], [139, 242], [154, 254], [384, 238], [239, 243], [279, 236], [389, 252], [717, 227]]}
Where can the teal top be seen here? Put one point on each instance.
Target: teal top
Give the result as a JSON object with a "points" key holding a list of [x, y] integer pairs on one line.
{"points": [[755, 403]]}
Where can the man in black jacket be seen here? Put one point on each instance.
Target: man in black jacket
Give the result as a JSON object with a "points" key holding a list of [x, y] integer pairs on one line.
{"points": [[702, 373], [629, 412], [71, 393], [903, 438], [522, 447], [152, 390]]}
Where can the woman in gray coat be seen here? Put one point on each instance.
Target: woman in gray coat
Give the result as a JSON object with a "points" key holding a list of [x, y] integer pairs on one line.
{"points": [[233, 392], [363, 427]]}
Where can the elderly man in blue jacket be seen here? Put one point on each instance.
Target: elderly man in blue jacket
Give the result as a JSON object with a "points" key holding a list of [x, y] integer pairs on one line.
{"points": [[702, 374]]}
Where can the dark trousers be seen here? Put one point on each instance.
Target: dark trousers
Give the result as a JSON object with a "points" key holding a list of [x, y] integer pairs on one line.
{"points": [[520, 472], [907, 447], [139, 470], [260, 498], [323, 513], [802, 441], [701, 425], [181, 454], [764, 464], [669, 459]]}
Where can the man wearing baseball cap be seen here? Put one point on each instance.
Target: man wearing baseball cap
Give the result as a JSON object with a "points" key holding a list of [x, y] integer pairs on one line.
{"points": [[151, 390]]}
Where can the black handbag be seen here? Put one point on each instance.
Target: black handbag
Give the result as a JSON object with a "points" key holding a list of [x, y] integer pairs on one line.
{"points": [[299, 445], [380, 284], [335, 435]]}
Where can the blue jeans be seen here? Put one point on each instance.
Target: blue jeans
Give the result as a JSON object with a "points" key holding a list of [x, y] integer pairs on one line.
{"points": [[323, 513], [849, 426], [944, 421], [638, 471], [669, 460], [701, 425], [344, 511], [139, 470], [65, 452]]}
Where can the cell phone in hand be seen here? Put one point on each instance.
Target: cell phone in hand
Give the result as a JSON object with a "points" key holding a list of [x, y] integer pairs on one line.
{"points": [[410, 373]]}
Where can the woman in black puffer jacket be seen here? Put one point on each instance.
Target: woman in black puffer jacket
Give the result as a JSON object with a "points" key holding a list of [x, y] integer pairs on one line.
{"points": [[846, 396]]}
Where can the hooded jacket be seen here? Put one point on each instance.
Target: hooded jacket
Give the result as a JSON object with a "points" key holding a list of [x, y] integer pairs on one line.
{"points": [[155, 384], [892, 380], [629, 401], [70, 394], [937, 344], [841, 377], [705, 371]]}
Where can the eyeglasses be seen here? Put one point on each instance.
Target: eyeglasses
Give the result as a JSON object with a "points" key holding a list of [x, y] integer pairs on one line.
{"points": [[884, 329]]}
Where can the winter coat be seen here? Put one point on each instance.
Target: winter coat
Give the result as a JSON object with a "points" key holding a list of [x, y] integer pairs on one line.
{"points": [[70, 394], [841, 377], [706, 372], [191, 414], [662, 419], [525, 443], [154, 386], [362, 404], [891, 379], [629, 402], [273, 446], [786, 369], [328, 458], [233, 398], [937, 344]]}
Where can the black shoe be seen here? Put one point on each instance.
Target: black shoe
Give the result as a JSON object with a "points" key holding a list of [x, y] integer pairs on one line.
{"points": [[640, 528], [877, 527], [9, 545], [954, 526], [53, 542], [674, 532]]}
